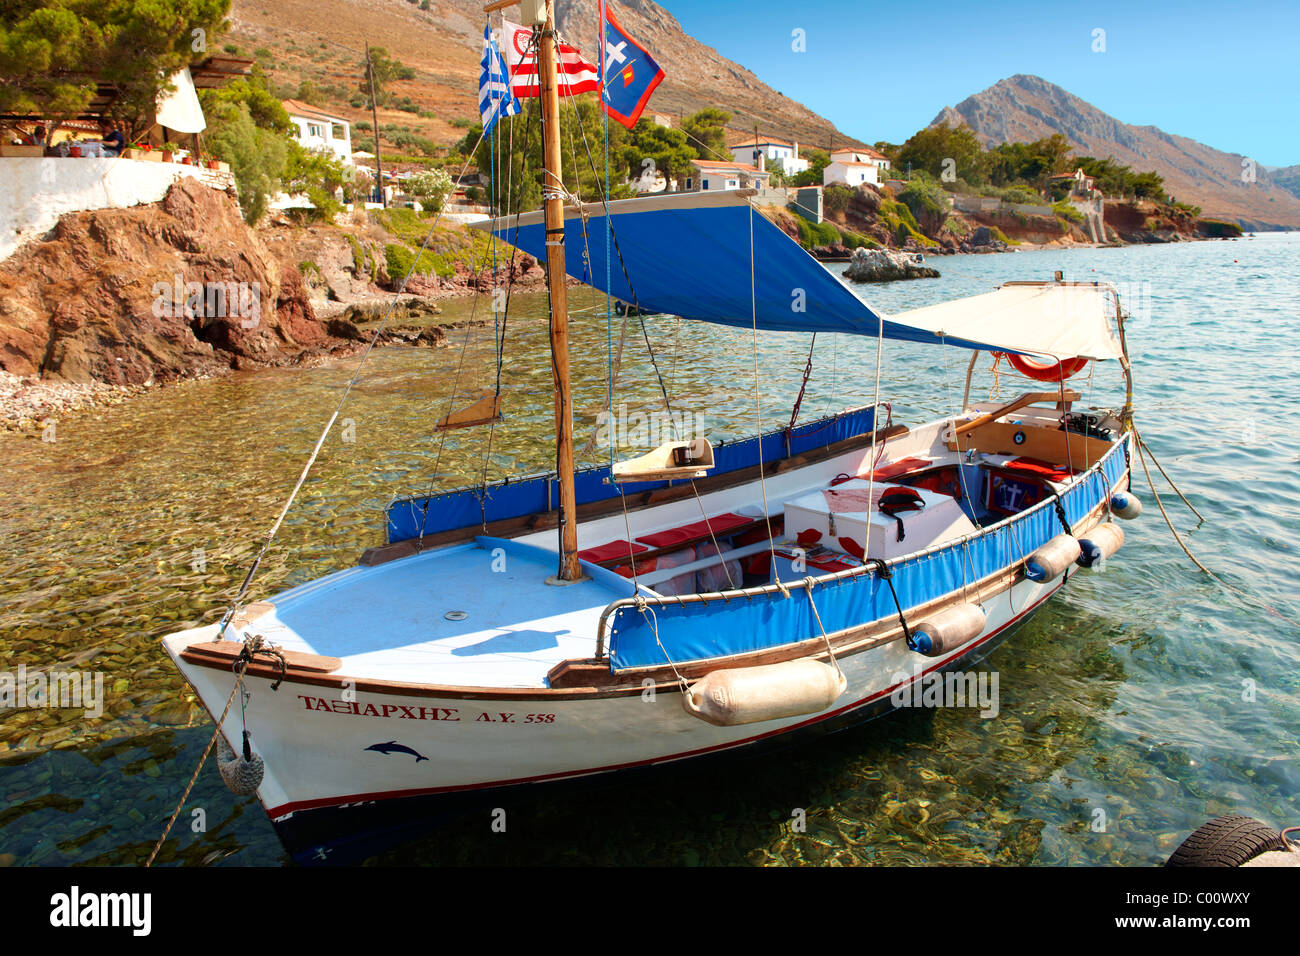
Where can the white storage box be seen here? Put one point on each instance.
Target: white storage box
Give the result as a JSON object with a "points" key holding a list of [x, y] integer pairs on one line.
{"points": [[837, 518]]}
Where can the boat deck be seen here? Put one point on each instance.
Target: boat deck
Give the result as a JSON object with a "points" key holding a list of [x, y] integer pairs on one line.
{"points": [[390, 622]]}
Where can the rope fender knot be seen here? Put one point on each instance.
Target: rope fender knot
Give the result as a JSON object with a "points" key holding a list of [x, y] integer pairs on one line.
{"points": [[241, 773]]}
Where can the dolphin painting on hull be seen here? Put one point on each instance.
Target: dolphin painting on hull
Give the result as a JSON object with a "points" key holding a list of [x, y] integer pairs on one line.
{"points": [[393, 747]]}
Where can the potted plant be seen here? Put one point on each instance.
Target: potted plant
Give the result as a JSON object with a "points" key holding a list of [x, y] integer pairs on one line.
{"points": [[212, 163], [169, 152]]}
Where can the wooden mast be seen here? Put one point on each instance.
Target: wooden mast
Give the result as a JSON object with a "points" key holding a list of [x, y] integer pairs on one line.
{"points": [[540, 14]]}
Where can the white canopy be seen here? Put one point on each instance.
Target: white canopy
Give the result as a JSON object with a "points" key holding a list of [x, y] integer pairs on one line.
{"points": [[180, 110], [1061, 320]]}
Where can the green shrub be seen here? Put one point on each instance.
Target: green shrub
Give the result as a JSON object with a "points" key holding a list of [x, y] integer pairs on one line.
{"points": [[1065, 210], [805, 231], [360, 265], [824, 234], [402, 261], [257, 156], [836, 197], [1218, 228], [926, 201]]}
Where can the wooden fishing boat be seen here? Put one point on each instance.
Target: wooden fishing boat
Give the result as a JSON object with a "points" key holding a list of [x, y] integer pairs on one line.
{"points": [[700, 599]]}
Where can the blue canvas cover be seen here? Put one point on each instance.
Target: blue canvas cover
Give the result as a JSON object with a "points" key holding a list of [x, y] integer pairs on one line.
{"points": [[697, 631], [690, 255]]}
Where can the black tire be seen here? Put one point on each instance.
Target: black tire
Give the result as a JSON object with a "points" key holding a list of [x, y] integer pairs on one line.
{"points": [[1227, 841]]}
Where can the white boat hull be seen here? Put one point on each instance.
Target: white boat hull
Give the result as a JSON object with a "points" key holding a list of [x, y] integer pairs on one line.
{"points": [[316, 741]]}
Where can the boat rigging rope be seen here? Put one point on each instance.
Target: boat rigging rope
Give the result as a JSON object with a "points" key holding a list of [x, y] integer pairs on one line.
{"points": [[758, 407], [798, 401], [961, 472], [643, 606], [875, 430], [499, 341], [1142, 445], [1251, 600]]}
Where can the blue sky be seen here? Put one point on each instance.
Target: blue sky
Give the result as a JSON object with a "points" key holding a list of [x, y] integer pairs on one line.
{"points": [[1222, 73]]}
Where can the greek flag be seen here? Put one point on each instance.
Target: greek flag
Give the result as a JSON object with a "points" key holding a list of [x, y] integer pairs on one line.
{"points": [[494, 97]]}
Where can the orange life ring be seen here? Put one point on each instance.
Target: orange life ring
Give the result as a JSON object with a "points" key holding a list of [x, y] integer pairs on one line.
{"points": [[1045, 371]]}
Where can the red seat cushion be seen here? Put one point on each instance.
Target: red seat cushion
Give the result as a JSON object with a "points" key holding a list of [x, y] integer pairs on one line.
{"points": [[900, 467], [642, 567], [690, 532], [615, 549], [1043, 469]]}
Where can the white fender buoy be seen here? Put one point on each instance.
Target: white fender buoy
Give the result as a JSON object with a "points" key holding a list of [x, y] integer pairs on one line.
{"points": [[1126, 505], [1102, 541], [1049, 561], [747, 695], [948, 630]]}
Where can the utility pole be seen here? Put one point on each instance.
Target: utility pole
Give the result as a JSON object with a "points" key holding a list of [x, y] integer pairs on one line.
{"points": [[374, 114]]}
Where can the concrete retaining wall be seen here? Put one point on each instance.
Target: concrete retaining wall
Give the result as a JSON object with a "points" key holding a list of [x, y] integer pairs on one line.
{"points": [[36, 191]]}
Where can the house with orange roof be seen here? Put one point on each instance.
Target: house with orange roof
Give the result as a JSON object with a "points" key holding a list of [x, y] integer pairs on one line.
{"points": [[710, 176], [318, 130], [861, 154]]}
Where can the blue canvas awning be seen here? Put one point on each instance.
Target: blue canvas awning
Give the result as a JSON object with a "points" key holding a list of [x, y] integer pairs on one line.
{"points": [[689, 254]]}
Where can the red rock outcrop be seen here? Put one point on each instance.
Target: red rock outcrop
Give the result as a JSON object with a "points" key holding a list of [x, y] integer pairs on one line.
{"points": [[153, 292]]}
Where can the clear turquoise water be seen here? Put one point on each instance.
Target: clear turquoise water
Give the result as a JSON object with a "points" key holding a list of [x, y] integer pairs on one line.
{"points": [[1123, 697]]}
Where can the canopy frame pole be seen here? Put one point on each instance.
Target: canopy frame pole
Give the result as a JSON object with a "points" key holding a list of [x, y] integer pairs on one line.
{"points": [[1126, 417], [970, 371]]}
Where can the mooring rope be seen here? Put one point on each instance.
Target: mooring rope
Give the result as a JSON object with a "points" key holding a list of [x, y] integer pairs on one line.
{"points": [[1252, 600]]}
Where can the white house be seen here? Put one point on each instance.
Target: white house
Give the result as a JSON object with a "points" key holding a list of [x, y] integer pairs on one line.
{"points": [[768, 152], [321, 131], [861, 154], [850, 173], [711, 176]]}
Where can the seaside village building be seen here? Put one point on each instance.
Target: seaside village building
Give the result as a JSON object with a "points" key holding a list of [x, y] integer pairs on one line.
{"points": [[854, 166], [1077, 185], [321, 131], [770, 153], [710, 176]]}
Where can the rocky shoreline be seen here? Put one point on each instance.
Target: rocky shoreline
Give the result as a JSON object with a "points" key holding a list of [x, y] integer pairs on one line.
{"points": [[103, 308]]}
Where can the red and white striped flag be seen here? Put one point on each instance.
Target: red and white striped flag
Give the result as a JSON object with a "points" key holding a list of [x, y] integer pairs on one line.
{"points": [[575, 74]]}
